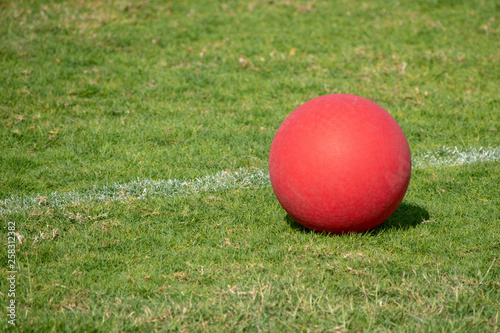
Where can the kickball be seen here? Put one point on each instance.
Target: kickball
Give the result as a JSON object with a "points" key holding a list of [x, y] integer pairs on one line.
{"points": [[340, 163]]}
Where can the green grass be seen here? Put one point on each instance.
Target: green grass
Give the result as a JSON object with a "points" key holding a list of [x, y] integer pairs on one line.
{"points": [[100, 92]]}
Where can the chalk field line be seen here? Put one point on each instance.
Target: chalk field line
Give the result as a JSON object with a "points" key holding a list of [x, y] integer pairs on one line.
{"points": [[244, 178]]}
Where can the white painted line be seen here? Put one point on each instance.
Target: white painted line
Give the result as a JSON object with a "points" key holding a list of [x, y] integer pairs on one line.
{"points": [[224, 180], [447, 157], [141, 189]]}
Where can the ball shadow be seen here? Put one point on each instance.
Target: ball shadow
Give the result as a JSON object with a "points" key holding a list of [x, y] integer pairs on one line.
{"points": [[405, 217], [296, 226]]}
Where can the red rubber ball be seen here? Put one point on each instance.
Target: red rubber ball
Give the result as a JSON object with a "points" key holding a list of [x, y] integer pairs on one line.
{"points": [[340, 163]]}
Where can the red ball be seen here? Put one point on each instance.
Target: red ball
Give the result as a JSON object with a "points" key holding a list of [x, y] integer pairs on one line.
{"points": [[340, 163]]}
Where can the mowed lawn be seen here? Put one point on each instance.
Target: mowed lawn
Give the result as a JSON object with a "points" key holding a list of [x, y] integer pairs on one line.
{"points": [[134, 141]]}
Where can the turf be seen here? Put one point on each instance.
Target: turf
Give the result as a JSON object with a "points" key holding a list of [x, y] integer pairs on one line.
{"points": [[94, 93]]}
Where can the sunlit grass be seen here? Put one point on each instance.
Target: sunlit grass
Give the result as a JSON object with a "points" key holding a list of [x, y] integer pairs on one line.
{"points": [[99, 96]]}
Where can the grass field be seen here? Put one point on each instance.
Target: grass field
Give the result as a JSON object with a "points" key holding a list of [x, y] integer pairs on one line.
{"points": [[134, 142]]}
